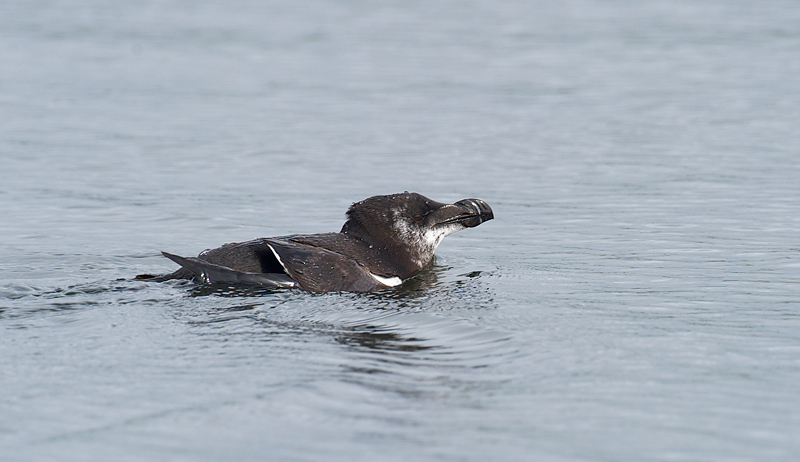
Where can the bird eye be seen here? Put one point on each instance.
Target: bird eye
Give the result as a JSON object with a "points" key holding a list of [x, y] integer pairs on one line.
{"points": [[417, 217]]}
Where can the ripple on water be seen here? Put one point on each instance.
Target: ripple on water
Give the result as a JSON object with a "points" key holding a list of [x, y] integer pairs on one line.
{"points": [[423, 340], [410, 340], [23, 300]]}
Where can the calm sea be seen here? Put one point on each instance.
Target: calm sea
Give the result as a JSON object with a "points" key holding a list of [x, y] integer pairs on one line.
{"points": [[637, 297]]}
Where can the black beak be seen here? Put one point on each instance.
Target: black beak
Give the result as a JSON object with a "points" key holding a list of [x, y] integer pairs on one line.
{"points": [[477, 211]]}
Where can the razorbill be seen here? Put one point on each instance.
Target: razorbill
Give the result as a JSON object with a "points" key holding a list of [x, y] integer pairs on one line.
{"points": [[385, 240]]}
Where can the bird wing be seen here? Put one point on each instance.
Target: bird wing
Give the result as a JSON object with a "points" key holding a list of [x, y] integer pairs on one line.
{"points": [[321, 270]]}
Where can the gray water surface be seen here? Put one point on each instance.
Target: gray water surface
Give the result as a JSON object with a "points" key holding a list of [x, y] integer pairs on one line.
{"points": [[636, 297]]}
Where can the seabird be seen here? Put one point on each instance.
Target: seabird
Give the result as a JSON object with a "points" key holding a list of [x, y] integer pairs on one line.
{"points": [[385, 240]]}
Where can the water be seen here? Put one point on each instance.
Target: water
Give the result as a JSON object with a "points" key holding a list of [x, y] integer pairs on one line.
{"points": [[636, 297]]}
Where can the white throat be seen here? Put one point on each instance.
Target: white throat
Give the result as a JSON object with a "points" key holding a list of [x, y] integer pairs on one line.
{"points": [[426, 242]]}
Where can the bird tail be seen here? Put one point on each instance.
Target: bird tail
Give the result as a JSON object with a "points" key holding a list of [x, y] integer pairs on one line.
{"points": [[217, 274]]}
